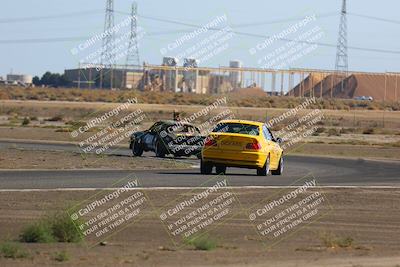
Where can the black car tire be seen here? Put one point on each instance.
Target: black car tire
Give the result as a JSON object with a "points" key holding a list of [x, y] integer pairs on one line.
{"points": [[278, 171], [220, 169], [205, 167], [137, 149], [160, 150], [264, 170]]}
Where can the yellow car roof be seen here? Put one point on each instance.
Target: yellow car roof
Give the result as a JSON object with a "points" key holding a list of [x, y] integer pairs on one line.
{"points": [[257, 123]]}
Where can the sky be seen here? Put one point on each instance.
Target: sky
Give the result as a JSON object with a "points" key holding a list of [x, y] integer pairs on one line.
{"points": [[38, 36]]}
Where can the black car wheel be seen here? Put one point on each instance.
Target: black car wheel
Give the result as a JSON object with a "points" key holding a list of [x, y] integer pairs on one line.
{"points": [[278, 171], [205, 167], [264, 170], [137, 149], [160, 150], [220, 169]]}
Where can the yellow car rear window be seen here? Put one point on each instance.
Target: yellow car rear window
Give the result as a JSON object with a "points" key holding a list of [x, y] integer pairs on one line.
{"points": [[238, 128]]}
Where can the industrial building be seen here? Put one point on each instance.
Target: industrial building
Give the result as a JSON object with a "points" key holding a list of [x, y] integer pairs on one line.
{"points": [[170, 77], [24, 80], [95, 77]]}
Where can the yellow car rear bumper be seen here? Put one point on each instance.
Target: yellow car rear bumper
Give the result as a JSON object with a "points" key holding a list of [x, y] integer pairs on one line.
{"points": [[246, 159]]}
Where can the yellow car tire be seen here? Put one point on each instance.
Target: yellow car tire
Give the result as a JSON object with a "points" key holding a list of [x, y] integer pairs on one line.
{"points": [[264, 170], [278, 171], [205, 167], [220, 169]]}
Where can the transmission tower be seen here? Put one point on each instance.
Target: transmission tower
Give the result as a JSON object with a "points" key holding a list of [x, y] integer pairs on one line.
{"points": [[108, 52], [132, 52], [132, 57], [341, 53]]}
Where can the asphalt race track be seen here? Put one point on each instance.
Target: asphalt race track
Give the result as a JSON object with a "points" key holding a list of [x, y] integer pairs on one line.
{"points": [[327, 172]]}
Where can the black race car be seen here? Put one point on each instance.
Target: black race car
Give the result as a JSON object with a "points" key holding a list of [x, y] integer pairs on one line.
{"points": [[168, 137]]}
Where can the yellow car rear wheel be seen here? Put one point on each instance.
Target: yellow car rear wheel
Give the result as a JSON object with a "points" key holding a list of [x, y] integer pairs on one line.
{"points": [[220, 169], [205, 167], [278, 171], [264, 170]]}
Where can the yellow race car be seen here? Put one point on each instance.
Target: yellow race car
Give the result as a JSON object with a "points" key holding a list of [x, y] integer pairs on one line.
{"points": [[243, 144]]}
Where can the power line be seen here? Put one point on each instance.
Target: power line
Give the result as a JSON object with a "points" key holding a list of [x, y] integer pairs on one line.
{"points": [[64, 15], [243, 25], [44, 40], [324, 15], [99, 11], [80, 38], [265, 37], [67, 39], [374, 18]]}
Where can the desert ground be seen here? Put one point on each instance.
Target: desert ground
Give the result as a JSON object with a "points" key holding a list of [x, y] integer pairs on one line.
{"points": [[367, 217]]}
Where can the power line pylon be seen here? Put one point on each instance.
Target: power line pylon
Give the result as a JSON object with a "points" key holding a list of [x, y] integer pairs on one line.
{"points": [[342, 65], [341, 53], [108, 53], [132, 55]]}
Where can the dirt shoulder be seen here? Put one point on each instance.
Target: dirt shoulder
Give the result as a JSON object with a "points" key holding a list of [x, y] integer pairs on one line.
{"points": [[368, 216], [376, 152], [237, 98], [13, 158], [34, 133]]}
